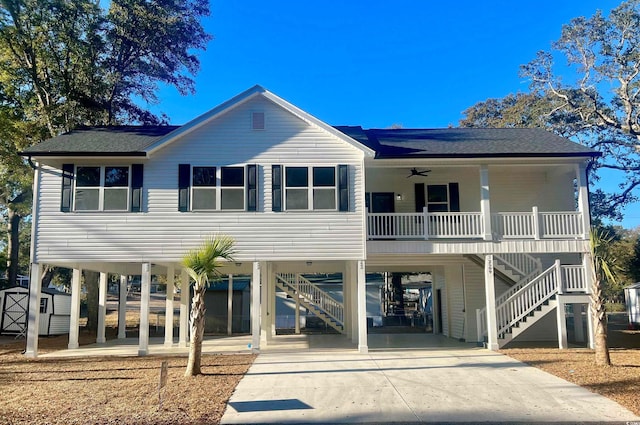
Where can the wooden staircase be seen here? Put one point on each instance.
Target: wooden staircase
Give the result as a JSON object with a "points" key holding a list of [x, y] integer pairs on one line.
{"points": [[313, 298], [529, 300]]}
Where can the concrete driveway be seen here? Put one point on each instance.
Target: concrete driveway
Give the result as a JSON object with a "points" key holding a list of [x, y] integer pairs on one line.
{"points": [[444, 385]]}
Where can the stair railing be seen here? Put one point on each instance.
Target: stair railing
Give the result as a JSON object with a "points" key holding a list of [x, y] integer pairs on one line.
{"points": [[313, 295], [526, 265], [528, 298]]}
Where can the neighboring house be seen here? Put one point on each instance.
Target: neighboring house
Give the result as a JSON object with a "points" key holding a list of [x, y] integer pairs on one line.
{"points": [[499, 217]]}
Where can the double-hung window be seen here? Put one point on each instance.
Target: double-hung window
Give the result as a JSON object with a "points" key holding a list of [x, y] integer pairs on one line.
{"points": [[216, 188], [443, 198], [310, 188], [102, 188], [204, 188]]}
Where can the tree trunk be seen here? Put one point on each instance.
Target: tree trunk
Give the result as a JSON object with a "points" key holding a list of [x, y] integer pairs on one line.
{"points": [[91, 279], [47, 276], [13, 245], [197, 330], [600, 325]]}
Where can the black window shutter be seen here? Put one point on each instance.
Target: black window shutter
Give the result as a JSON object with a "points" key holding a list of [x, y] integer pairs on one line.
{"points": [[67, 188], [184, 183], [276, 188], [136, 187], [419, 196], [252, 187], [454, 197], [343, 188]]}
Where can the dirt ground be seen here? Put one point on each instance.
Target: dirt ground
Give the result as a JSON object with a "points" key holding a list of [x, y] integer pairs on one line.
{"points": [[619, 382], [121, 390]]}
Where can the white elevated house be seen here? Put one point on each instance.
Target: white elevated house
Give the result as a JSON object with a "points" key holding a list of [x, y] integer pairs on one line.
{"points": [[499, 217]]}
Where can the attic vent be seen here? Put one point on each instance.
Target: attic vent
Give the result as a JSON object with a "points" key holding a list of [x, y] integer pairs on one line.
{"points": [[257, 120]]}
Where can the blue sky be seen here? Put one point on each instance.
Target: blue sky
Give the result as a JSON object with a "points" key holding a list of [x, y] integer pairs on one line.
{"points": [[418, 63]]}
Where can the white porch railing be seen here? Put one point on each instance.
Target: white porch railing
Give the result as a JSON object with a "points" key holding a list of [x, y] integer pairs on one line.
{"points": [[470, 225], [573, 279]]}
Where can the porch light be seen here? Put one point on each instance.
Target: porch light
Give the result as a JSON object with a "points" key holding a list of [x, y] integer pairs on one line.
{"points": [[238, 264], [398, 196], [309, 263]]}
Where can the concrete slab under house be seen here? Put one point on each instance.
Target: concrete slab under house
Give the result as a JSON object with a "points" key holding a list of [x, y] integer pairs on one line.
{"points": [[469, 234]]}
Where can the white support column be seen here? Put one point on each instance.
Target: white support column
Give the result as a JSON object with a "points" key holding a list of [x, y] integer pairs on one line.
{"points": [[562, 324], [353, 288], [145, 294], [33, 313], [265, 324], [591, 328], [230, 305], [587, 264], [168, 310], [255, 308], [184, 309], [362, 309], [583, 198], [102, 308], [490, 297], [345, 300], [74, 321], [272, 302], [122, 308], [297, 313], [485, 202]]}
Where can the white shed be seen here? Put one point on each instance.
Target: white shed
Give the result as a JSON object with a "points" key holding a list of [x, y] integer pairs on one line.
{"points": [[55, 311], [632, 297]]}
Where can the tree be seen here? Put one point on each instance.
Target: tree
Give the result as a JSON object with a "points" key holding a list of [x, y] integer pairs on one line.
{"points": [[67, 63], [603, 270], [601, 96], [634, 262], [595, 100], [203, 265]]}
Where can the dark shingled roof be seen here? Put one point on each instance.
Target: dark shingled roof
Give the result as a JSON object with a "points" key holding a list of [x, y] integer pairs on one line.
{"points": [[466, 143], [387, 143], [97, 141]]}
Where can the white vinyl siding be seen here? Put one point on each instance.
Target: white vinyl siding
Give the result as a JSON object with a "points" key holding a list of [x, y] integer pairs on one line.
{"points": [[454, 281], [440, 283], [163, 234]]}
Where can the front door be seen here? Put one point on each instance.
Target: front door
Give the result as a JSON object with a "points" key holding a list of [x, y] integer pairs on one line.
{"points": [[383, 202]]}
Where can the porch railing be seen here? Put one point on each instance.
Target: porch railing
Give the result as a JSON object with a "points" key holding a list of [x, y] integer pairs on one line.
{"points": [[470, 225]]}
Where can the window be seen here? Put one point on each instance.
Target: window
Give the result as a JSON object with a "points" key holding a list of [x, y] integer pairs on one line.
{"points": [[218, 188], [257, 120], [204, 188], [443, 197], [43, 305], [232, 188], [310, 188], [437, 198], [102, 188]]}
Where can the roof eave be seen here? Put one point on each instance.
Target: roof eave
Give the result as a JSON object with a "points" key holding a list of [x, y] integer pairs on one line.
{"points": [[495, 155], [67, 154]]}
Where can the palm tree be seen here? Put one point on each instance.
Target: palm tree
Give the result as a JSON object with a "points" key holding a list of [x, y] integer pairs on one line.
{"points": [[603, 271], [203, 265]]}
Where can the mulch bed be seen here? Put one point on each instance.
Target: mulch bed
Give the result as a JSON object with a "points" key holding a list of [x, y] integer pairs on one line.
{"points": [[113, 390]]}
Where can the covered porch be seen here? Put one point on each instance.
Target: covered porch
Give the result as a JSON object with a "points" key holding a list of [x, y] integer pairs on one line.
{"points": [[263, 276]]}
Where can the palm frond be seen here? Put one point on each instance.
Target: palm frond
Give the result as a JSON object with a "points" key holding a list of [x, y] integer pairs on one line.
{"points": [[203, 263]]}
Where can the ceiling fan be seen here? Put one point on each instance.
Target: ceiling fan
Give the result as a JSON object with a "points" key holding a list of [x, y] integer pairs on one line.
{"points": [[415, 172]]}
